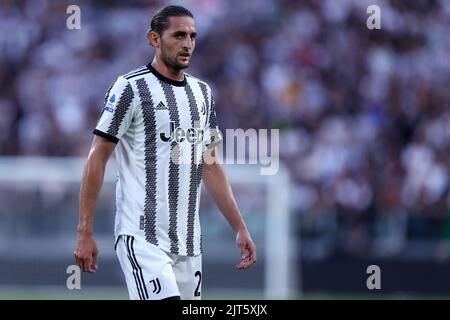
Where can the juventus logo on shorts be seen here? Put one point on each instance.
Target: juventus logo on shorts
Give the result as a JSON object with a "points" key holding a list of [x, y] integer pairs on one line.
{"points": [[156, 286]]}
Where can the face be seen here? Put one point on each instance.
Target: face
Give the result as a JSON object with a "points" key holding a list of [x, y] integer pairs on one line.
{"points": [[177, 43]]}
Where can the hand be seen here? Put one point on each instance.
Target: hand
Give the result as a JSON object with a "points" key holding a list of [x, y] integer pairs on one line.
{"points": [[86, 253], [247, 249]]}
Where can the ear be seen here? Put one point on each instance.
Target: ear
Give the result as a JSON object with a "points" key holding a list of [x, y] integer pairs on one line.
{"points": [[153, 39]]}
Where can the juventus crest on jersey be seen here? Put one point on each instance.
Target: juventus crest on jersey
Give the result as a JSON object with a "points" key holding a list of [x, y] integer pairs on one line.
{"points": [[162, 127]]}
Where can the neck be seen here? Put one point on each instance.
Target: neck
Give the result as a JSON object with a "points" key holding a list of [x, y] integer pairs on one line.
{"points": [[161, 67]]}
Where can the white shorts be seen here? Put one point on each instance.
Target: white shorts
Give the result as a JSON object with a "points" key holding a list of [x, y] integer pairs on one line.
{"points": [[152, 274]]}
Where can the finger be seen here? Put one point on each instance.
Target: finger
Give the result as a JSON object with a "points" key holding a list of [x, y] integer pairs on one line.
{"points": [[247, 263], [244, 264], [95, 261], [81, 264], [249, 260], [240, 265], [88, 264], [84, 262], [244, 253], [252, 257], [79, 261]]}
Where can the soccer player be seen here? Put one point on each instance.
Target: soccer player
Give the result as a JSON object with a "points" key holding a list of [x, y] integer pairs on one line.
{"points": [[162, 124]]}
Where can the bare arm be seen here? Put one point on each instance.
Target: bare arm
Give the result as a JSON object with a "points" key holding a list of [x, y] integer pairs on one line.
{"points": [[218, 186], [86, 252]]}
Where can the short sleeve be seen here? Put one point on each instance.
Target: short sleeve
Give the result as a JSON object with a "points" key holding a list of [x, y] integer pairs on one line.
{"points": [[117, 112], [212, 133]]}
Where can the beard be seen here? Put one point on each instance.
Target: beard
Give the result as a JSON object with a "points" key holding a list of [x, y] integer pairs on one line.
{"points": [[172, 63]]}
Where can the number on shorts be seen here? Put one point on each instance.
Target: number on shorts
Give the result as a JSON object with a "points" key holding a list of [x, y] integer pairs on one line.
{"points": [[197, 292]]}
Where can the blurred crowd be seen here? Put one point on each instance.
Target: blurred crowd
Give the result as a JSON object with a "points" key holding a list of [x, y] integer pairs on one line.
{"points": [[364, 115]]}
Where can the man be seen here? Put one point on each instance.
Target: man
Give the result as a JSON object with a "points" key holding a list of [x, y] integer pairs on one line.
{"points": [[164, 124]]}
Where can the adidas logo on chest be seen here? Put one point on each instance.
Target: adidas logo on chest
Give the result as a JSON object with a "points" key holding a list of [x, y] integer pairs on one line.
{"points": [[161, 106]]}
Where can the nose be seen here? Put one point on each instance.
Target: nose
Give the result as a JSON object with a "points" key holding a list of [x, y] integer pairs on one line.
{"points": [[188, 43]]}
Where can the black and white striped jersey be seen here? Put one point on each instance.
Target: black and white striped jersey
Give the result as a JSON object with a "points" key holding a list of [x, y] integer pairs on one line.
{"points": [[162, 127]]}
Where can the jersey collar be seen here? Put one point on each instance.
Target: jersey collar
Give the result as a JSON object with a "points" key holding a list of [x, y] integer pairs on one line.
{"points": [[176, 83]]}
